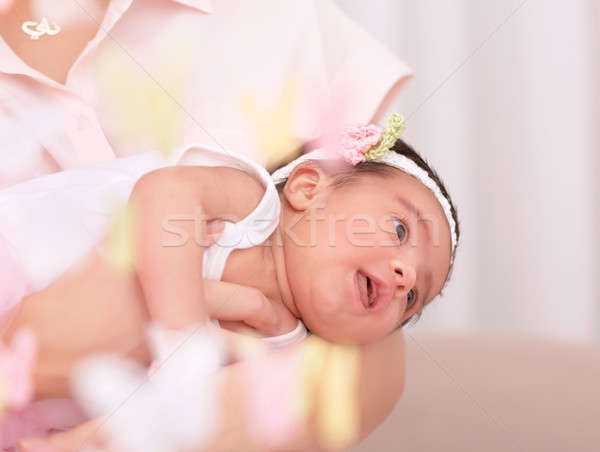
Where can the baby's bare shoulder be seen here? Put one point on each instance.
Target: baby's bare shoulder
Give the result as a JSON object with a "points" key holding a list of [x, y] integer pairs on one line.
{"points": [[227, 193]]}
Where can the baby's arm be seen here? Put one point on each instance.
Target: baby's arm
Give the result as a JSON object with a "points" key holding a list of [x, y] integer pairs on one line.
{"points": [[171, 276]]}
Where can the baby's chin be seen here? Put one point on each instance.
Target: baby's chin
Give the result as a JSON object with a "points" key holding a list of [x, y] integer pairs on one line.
{"points": [[344, 333], [332, 319]]}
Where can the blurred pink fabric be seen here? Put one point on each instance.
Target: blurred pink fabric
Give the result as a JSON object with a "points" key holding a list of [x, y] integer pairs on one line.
{"points": [[13, 284], [17, 361], [191, 62], [39, 419]]}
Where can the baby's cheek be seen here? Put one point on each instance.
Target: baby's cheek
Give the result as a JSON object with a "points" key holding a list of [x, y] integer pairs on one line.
{"points": [[338, 234], [359, 232], [331, 231]]}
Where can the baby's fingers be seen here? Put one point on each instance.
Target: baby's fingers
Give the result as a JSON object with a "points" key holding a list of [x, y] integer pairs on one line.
{"points": [[233, 302]]}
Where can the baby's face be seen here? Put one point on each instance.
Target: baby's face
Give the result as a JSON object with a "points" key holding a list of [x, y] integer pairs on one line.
{"points": [[360, 260]]}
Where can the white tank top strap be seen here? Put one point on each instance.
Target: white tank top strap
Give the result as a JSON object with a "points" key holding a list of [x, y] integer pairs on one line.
{"points": [[298, 334], [258, 225], [295, 336]]}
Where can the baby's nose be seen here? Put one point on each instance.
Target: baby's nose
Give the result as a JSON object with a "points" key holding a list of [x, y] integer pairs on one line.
{"points": [[405, 277]]}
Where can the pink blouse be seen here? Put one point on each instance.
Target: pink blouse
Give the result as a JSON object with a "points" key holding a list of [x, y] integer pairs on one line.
{"points": [[164, 73]]}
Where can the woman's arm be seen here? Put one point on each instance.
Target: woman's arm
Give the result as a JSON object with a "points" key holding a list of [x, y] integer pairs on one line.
{"points": [[383, 376], [381, 383]]}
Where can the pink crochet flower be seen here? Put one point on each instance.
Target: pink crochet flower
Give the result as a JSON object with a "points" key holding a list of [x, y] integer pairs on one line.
{"points": [[357, 140], [16, 368]]}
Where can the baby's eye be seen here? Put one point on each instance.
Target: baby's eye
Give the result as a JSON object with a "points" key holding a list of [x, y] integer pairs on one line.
{"points": [[401, 230], [410, 298]]}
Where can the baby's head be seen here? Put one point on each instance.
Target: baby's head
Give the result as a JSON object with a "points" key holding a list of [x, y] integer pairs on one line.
{"points": [[366, 245]]}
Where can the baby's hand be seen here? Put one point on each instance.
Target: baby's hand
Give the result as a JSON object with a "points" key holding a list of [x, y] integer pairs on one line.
{"points": [[233, 302], [214, 229]]}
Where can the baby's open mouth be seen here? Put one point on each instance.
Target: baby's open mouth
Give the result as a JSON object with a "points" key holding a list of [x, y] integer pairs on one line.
{"points": [[371, 291], [368, 291]]}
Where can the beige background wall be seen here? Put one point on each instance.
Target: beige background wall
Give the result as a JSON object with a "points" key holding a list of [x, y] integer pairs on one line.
{"points": [[494, 393]]}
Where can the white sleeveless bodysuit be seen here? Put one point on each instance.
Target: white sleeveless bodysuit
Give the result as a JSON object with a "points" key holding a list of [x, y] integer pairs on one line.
{"points": [[47, 224]]}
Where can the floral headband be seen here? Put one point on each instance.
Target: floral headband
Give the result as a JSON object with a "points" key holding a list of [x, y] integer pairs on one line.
{"points": [[372, 143]]}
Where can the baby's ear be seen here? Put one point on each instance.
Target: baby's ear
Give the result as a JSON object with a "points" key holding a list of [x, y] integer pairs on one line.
{"points": [[304, 185]]}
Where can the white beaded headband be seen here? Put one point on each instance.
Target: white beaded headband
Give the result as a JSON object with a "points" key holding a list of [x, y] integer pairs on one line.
{"points": [[372, 143]]}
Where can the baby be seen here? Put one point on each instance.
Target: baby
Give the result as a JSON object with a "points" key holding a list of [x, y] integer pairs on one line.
{"points": [[349, 242]]}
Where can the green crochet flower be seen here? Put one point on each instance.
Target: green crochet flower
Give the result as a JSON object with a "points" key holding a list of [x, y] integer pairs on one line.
{"points": [[394, 127]]}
